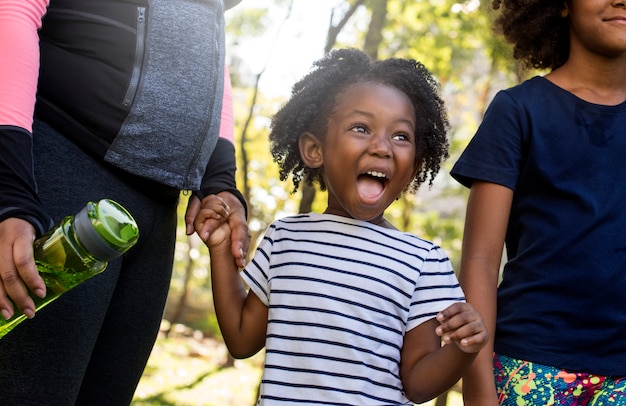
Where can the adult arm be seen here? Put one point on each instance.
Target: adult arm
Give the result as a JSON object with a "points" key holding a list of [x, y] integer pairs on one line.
{"points": [[219, 179], [22, 215], [488, 210]]}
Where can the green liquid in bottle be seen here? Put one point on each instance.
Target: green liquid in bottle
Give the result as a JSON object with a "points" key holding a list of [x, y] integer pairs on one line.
{"points": [[58, 281]]}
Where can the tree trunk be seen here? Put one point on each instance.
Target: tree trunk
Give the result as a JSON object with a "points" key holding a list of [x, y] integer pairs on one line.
{"points": [[308, 196], [182, 302], [374, 32], [442, 400], [249, 118]]}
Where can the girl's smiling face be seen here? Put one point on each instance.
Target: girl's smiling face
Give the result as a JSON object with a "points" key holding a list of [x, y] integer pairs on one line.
{"points": [[597, 26], [368, 154]]}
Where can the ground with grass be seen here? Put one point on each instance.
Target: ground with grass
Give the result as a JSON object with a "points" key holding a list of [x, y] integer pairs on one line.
{"points": [[188, 369]]}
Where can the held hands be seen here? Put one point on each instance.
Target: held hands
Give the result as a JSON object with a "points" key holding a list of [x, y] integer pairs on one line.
{"points": [[461, 324], [18, 272], [220, 219]]}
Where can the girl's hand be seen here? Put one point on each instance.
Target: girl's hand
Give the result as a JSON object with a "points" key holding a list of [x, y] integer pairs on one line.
{"points": [[461, 324]]}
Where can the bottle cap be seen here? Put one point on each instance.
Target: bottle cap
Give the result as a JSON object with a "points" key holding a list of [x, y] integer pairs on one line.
{"points": [[106, 229]]}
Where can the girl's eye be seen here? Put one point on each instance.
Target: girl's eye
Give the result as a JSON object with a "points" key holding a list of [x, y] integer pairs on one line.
{"points": [[402, 137], [359, 128]]}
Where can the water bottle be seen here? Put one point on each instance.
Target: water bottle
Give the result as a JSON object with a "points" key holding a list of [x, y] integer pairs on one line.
{"points": [[78, 248]]}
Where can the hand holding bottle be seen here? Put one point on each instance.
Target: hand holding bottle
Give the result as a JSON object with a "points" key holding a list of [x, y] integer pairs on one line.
{"points": [[76, 249], [18, 273]]}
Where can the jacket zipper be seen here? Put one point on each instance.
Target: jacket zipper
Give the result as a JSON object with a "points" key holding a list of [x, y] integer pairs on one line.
{"points": [[138, 60]]}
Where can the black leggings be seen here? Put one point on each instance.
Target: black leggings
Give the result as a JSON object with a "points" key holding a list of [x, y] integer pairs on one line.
{"points": [[90, 346]]}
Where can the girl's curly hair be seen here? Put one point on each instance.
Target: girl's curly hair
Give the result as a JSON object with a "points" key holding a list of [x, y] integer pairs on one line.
{"points": [[313, 100], [536, 29]]}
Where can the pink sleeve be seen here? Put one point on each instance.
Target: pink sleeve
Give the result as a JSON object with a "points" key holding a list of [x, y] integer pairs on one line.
{"points": [[19, 62], [227, 124]]}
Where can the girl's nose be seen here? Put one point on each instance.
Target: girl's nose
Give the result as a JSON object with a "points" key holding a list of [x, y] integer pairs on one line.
{"points": [[380, 145]]}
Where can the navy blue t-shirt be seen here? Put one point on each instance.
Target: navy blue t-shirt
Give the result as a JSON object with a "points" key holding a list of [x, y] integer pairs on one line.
{"points": [[562, 301]]}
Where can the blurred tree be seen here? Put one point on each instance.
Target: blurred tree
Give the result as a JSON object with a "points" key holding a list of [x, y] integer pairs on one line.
{"points": [[378, 20], [251, 108], [179, 308], [452, 38]]}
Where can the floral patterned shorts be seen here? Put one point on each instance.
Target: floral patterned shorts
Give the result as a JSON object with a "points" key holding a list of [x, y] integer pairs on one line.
{"points": [[523, 383]]}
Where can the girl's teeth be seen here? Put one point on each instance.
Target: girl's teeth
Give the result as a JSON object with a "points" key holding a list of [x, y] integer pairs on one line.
{"points": [[376, 174]]}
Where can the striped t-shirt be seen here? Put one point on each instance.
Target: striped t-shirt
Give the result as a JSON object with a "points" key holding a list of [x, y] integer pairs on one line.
{"points": [[341, 295]]}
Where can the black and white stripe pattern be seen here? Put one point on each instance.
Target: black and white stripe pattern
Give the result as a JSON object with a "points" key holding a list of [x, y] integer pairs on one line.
{"points": [[341, 295]]}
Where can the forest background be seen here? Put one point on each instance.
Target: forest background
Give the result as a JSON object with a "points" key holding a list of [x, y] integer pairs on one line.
{"points": [[270, 45]]}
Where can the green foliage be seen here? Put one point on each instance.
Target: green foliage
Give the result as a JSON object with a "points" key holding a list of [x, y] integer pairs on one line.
{"points": [[246, 22], [453, 39], [442, 34]]}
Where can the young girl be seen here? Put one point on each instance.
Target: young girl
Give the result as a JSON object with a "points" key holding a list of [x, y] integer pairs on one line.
{"points": [[546, 171], [351, 311]]}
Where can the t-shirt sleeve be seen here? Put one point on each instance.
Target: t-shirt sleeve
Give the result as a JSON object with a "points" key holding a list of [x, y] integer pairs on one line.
{"points": [[437, 288], [256, 273], [495, 152]]}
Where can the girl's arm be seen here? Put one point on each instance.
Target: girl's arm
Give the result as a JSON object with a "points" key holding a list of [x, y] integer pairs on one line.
{"points": [[242, 317], [427, 368], [488, 210]]}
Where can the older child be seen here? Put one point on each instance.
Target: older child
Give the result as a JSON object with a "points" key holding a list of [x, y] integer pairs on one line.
{"points": [[351, 310], [546, 171]]}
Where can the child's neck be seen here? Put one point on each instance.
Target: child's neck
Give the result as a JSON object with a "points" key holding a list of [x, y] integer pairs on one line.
{"points": [[596, 80], [378, 220]]}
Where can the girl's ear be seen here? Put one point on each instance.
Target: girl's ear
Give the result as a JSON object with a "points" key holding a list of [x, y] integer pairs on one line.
{"points": [[311, 150]]}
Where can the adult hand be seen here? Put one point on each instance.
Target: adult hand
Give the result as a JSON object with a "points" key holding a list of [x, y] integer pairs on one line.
{"points": [[18, 272], [204, 225]]}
